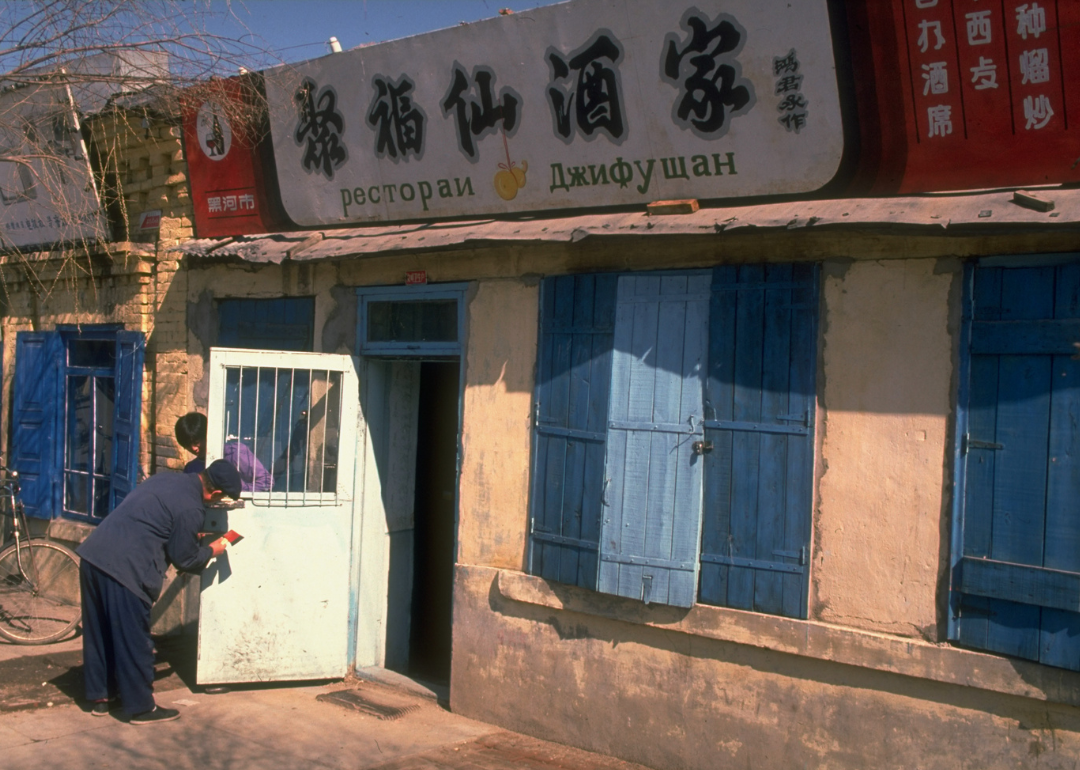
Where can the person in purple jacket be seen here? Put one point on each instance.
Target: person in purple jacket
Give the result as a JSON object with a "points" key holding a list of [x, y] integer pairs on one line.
{"points": [[191, 435], [122, 569]]}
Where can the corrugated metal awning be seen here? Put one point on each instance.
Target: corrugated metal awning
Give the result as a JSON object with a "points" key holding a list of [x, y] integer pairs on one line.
{"points": [[960, 214]]}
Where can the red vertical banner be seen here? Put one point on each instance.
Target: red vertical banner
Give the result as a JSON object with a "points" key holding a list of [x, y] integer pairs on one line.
{"points": [[988, 91], [934, 73], [223, 131], [1035, 80], [1069, 46], [984, 71]]}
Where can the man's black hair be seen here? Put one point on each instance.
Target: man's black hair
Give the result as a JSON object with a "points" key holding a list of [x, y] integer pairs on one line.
{"points": [[190, 430]]}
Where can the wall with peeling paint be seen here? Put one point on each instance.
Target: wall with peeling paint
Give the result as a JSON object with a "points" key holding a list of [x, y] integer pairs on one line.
{"points": [[867, 681], [879, 531], [499, 376], [670, 699]]}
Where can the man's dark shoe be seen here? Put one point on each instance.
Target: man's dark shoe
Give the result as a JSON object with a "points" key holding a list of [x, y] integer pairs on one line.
{"points": [[101, 708], [154, 715]]}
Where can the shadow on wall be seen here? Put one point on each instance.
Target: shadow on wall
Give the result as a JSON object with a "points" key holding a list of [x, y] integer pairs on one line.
{"points": [[202, 323], [747, 333]]}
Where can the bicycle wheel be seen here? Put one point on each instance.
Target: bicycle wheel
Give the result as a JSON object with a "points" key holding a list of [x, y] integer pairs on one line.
{"points": [[39, 602]]}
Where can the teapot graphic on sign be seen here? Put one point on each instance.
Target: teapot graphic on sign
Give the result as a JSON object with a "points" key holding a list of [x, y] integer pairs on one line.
{"points": [[511, 177]]}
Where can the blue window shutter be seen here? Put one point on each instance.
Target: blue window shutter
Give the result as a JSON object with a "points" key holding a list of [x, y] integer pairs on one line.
{"points": [[1016, 579], [577, 319], [130, 351], [37, 412], [760, 415], [652, 517]]}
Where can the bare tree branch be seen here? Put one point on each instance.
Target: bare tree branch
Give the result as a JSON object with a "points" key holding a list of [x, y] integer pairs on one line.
{"points": [[122, 63]]}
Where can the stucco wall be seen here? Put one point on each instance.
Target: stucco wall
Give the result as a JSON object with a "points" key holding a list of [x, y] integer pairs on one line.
{"points": [[499, 375], [674, 700], [887, 360]]}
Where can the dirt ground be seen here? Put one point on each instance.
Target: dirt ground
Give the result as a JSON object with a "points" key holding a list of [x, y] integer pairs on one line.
{"points": [[50, 679]]}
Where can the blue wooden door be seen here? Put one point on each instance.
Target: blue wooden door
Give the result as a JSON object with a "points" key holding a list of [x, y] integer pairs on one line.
{"points": [[652, 516], [37, 412], [576, 337], [760, 423], [1016, 575]]}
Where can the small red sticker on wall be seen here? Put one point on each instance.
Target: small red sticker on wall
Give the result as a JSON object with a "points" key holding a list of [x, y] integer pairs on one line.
{"points": [[414, 277]]}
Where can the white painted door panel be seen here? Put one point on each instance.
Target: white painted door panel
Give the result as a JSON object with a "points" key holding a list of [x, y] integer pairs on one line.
{"points": [[276, 606]]}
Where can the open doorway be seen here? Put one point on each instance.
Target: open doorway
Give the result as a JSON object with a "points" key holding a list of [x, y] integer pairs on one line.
{"points": [[434, 525], [410, 348]]}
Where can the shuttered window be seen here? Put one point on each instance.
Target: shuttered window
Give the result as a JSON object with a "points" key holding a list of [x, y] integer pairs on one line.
{"points": [[1016, 550], [674, 435], [577, 327], [76, 407], [760, 423]]}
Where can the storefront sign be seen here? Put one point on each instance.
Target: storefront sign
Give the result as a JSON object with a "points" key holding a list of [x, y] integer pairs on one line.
{"points": [[966, 93], [47, 194], [583, 104]]}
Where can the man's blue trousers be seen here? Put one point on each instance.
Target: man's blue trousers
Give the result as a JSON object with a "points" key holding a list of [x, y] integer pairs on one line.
{"points": [[118, 653]]}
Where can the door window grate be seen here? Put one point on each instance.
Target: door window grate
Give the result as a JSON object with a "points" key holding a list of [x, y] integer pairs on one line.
{"points": [[281, 429]]}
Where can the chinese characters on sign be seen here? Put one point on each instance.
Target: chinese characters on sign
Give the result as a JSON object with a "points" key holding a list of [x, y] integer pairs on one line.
{"points": [[997, 72], [319, 129], [591, 102], [709, 75], [792, 103], [478, 115], [398, 122], [618, 101], [230, 204]]}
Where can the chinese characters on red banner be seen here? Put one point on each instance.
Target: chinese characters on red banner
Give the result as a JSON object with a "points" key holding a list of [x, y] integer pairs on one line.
{"points": [[984, 70]]}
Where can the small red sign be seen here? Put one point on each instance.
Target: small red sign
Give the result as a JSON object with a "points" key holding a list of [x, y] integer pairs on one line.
{"points": [[150, 220], [415, 277]]}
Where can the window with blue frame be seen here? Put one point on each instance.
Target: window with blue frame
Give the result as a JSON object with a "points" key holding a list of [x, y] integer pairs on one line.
{"points": [[414, 320], [75, 416], [1016, 532], [281, 323], [673, 446]]}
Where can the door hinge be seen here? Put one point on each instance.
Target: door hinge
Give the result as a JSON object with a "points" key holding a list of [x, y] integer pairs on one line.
{"points": [[967, 443], [803, 418]]}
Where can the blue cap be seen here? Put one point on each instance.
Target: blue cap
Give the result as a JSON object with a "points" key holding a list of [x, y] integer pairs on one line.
{"points": [[222, 475]]}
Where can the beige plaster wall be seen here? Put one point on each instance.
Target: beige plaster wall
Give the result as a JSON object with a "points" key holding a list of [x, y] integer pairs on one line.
{"points": [[879, 549], [673, 700], [499, 369]]}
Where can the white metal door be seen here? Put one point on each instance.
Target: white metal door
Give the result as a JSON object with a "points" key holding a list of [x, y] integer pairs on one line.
{"points": [[276, 606]]}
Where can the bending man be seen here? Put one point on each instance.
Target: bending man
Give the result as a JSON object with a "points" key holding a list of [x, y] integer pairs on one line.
{"points": [[123, 566]]}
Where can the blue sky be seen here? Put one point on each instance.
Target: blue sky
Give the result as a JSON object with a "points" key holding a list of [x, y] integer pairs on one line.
{"points": [[298, 29]]}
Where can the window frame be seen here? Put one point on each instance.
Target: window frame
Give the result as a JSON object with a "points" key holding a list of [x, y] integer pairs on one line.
{"points": [[40, 415], [69, 370], [239, 343], [425, 292], [568, 385], [1027, 610]]}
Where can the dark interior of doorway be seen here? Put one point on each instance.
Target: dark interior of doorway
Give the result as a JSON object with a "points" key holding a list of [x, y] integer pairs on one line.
{"points": [[433, 560]]}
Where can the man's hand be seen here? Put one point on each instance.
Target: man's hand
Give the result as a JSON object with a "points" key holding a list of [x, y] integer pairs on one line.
{"points": [[218, 546]]}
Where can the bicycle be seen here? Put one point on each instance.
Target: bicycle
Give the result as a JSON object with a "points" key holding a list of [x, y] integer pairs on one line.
{"points": [[40, 599]]}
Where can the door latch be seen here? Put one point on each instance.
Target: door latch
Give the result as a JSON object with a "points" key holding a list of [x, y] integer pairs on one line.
{"points": [[702, 447]]}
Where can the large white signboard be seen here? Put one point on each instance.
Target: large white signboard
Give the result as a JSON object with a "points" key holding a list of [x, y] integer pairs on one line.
{"points": [[585, 103], [47, 194]]}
